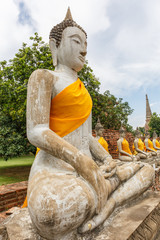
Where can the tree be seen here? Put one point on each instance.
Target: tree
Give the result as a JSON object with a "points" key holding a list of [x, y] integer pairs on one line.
{"points": [[13, 91], [154, 124]]}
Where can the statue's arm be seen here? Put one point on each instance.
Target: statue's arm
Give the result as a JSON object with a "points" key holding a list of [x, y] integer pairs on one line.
{"points": [[154, 145], [40, 135], [98, 152], [119, 145]]}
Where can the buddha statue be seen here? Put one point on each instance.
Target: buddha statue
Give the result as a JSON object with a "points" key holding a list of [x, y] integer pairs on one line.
{"points": [[156, 144], [67, 191], [149, 145], [125, 153], [99, 135], [140, 147]]}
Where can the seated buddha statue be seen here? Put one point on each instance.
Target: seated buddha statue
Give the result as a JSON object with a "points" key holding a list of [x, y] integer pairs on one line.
{"points": [[149, 145], [156, 144], [67, 192], [140, 147], [125, 153]]}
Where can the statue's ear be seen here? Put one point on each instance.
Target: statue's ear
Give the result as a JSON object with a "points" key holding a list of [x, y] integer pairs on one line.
{"points": [[53, 48]]}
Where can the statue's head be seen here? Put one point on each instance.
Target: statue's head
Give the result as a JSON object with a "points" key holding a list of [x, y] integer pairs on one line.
{"points": [[99, 129], [147, 134], [154, 134], [68, 43], [122, 131], [137, 133]]}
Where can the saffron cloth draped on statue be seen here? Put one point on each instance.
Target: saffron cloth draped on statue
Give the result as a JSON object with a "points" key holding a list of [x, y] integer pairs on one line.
{"points": [[157, 144], [125, 147], [103, 142], [70, 109], [150, 145]]}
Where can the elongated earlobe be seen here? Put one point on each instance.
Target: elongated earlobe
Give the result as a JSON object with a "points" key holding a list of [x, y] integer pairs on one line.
{"points": [[53, 48]]}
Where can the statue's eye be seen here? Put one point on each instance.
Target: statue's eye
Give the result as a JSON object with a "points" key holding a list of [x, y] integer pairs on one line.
{"points": [[77, 41]]}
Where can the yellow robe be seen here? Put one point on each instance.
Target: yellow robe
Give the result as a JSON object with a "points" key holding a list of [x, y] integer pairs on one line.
{"points": [[141, 144], [125, 147], [104, 144], [69, 110], [157, 144], [150, 145]]}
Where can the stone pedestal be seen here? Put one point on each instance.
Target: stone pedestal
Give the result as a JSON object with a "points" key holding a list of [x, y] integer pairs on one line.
{"points": [[138, 220]]}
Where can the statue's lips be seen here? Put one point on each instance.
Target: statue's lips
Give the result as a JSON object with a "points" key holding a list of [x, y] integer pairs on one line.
{"points": [[81, 58]]}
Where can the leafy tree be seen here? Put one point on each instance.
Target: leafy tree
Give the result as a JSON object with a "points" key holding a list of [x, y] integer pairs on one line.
{"points": [[13, 90], [154, 124]]}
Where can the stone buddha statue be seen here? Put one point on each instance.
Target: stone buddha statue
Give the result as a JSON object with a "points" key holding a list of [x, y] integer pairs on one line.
{"points": [[140, 147], [125, 153], [67, 192], [156, 144], [149, 145]]}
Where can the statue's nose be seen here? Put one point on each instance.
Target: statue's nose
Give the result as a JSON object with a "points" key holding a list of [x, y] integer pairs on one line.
{"points": [[83, 53]]}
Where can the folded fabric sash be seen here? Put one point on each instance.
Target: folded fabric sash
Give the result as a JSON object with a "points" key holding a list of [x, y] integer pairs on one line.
{"points": [[70, 109], [103, 142]]}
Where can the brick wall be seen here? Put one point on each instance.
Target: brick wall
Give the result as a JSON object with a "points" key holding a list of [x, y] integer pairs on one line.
{"points": [[112, 136], [12, 195]]}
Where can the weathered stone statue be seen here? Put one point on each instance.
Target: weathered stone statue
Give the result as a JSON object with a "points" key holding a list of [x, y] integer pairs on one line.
{"points": [[156, 144], [67, 192], [125, 153], [140, 147], [149, 145]]}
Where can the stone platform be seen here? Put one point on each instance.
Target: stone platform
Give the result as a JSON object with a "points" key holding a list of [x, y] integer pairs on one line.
{"points": [[138, 220]]}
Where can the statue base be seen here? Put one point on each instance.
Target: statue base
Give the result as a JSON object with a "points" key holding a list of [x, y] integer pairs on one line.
{"points": [[139, 219]]}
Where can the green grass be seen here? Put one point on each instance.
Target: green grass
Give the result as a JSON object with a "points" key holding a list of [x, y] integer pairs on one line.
{"points": [[15, 169]]}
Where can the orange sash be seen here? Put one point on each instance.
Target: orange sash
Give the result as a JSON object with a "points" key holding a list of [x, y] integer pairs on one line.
{"points": [[103, 142], [157, 144], [140, 144], [70, 109], [150, 145], [125, 147]]}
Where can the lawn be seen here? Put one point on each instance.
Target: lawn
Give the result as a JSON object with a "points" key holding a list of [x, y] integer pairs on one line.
{"points": [[15, 169]]}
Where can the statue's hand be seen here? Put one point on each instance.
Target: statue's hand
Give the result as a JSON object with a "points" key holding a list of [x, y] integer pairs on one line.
{"points": [[89, 170], [108, 169]]}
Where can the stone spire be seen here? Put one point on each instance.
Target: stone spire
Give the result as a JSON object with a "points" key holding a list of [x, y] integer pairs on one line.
{"points": [[148, 114], [68, 14]]}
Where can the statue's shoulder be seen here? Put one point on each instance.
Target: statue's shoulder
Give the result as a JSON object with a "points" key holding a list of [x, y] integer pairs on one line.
{"points": [[40, 75]]}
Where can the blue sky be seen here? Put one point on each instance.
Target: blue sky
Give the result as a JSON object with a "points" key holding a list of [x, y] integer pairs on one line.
{"points": [[123, 42]]}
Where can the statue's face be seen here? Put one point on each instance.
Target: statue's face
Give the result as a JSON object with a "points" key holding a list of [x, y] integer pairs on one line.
{"points": [[100, 132], [123, 134], [138, 135], [72, 49]]}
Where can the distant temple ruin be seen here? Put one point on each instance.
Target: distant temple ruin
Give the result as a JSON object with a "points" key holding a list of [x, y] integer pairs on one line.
{"points": [[148, 114]]}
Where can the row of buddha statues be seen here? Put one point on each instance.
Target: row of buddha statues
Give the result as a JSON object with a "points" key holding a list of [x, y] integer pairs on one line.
{"points": [[74, 183], [141, 151]]}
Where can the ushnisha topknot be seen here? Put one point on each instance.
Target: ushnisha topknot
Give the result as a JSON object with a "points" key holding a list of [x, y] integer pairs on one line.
{"points": [[56, 31]]}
